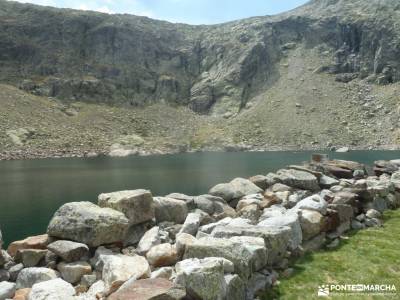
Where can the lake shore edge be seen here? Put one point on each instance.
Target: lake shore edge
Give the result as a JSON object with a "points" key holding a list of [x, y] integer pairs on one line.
{"points": [[243, 232], [92, 153]]}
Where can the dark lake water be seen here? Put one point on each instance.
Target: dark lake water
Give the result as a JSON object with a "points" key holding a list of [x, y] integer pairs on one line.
{"points": [[32, 190]]}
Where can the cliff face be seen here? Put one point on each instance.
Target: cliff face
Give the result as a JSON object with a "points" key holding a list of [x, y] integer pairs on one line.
{"points": [[135, 61]]}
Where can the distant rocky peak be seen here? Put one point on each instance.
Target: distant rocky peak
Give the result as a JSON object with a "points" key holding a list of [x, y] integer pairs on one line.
{"points": [[219, 69]]}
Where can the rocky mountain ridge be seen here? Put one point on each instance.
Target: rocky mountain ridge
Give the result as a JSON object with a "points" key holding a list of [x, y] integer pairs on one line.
{"points": [[130, 60], [321, 76]]}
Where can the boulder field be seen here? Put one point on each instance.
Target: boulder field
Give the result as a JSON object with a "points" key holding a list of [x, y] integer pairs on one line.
{"points": [[230, 244]]}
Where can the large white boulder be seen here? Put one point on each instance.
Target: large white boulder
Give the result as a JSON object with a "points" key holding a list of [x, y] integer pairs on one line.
{"points": [[314, 202], [55, 289], [7, 290], [203, 278], [171, 210], [30, 276], [162, 255], [277, 239], [88, 223], [234, 190], [291, 220], [243, 258], [191, 224], [298, 179], [137, 205], [73, 272], [69, 251], [150, 239], [311, 223], [119, 268]]}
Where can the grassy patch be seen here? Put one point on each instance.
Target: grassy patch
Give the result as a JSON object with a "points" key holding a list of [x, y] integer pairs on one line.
{"points": [[369, 256]]}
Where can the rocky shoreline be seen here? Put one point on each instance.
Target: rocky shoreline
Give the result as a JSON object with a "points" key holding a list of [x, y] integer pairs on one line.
{"points": [[92, 153], [231, 244]]}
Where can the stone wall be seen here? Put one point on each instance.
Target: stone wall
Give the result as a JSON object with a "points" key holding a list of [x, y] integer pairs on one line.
{"points": [[232, 243]]}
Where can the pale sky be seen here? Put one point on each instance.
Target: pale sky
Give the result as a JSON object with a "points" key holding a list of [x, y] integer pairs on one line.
{"points": [[183, 11]]}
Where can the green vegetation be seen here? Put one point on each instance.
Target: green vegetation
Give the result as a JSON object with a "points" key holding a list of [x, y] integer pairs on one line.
{"points": [[368, 257]]}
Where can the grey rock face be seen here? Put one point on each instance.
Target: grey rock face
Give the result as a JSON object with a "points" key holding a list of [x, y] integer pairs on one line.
{"points": [[250, 212], [372, 213], [373, 222], [328, 182], [137, 205], [381, 204], [299, 179], [379, 188], [315, 243], [188, 199], [279, 187], [202, 278], [276, 238], [68, 250], [205, 204], [256, 246], [291, 220], [260, 180], [73, 272], [209, 204], [345, 212], [119, 268], [97, 288], [211, 69], [344, 197], [171, 210], [30, 276], [191, 224], [14, 271], [311, 223], [30, 257], [162, 255], [151, 238], [155, 288], [88, 280], [136, 232], [235, 287], [258, 282], [236, 189], [56, 289], [395, 179], [100, 256], [2, 258], [4, 275], [182, 240], [273, 211], [314, 202], [357, 225], [164, 272], [87, 223], [7, 290], [209, 227], [241, 257]]}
